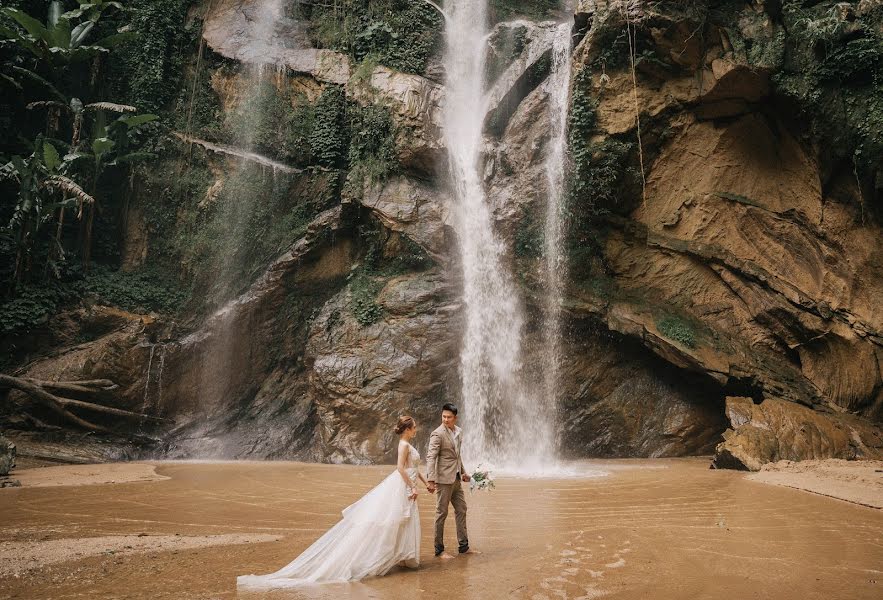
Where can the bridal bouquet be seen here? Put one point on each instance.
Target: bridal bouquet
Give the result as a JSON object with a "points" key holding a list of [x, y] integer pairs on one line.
{"points": [[481, 480]]}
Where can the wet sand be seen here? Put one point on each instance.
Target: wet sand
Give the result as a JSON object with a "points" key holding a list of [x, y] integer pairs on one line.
{"points": [[662, 529], [858, 481]]}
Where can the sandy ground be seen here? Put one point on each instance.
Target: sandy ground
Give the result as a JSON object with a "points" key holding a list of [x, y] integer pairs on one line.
{"points": [[68, 475], [663, 529], [855, 481]]}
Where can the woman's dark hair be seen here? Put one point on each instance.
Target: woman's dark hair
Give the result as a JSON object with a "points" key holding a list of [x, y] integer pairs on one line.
{"points": [[449, 407], [405, 423]]}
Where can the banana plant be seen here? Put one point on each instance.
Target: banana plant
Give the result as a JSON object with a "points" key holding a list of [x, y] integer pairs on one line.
{"points": [[41, 179], [61, 39]]}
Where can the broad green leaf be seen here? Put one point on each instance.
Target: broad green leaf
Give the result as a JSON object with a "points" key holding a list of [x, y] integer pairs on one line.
{"points": [[61, 34], [78, 35], [102, 145], [10, 81], [50, 156], [23, 41], [74, 14], [84, 53], [29, 23], [74, 157], [19, 164]]}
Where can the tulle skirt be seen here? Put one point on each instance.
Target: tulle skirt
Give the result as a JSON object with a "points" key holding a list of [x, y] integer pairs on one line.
{"points": [[377, 532]]}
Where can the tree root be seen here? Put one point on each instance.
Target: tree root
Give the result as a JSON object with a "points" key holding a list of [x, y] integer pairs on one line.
{"points": [[42, 391]]}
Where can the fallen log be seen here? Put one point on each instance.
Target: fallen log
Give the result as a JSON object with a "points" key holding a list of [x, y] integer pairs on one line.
{"points": [[58, 404]]}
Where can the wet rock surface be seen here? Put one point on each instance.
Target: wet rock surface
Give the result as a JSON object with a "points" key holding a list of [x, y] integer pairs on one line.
{"points": [[7, 456]]}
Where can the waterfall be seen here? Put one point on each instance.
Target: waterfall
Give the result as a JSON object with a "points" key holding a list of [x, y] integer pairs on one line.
{"points": [[557, 88], [511, 421], [244, 185], [507, 426]]}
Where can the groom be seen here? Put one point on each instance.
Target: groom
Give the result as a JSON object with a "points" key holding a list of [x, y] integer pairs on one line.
{"points": [[444, 470]]}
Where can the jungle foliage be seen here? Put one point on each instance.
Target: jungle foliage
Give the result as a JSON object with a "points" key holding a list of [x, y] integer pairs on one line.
{"points": [[401, 34], [67, 148]]}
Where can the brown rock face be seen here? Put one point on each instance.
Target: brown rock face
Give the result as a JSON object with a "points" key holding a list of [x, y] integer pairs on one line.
{"points": [[363, 377], [780, 430], [749, 259], [413, 208], [621, 402]]}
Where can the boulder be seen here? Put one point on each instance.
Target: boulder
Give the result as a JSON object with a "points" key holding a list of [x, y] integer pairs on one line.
{"points": [[780, 430], [415, 104], [7, 456], [411, 207]]}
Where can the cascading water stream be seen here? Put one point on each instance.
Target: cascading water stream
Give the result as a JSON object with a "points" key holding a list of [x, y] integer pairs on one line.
{"points": [[512, 421], [508, 425], [557, 88], [222, 353]]}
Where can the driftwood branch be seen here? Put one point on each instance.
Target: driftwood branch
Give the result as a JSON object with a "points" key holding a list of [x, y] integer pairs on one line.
{"points": [[60, 405]]}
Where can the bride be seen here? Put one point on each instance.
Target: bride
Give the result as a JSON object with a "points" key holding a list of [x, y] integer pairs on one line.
{"points": [[378, 532]]}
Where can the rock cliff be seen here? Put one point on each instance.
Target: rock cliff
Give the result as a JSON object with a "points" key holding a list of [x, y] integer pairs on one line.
{"points": [[725, 255]]}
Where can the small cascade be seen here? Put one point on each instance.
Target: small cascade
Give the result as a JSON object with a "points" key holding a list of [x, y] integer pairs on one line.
{"points": [[153, 383], [162, 364], [145, 404]]}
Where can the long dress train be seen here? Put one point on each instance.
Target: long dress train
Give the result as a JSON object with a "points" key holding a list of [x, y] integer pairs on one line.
{"points": [[377, 532]]}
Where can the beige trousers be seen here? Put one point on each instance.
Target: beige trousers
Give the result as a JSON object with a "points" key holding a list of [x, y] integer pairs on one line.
{"points": [[447, 494]]}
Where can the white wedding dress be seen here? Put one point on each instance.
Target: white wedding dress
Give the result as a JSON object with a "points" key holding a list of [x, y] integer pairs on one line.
{"points": [[377, 532]]}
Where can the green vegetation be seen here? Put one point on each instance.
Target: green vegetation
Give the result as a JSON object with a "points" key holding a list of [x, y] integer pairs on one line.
{"points": [[529, 236], [224, 242], [363, 298], [833, 75], [386, 255], [34, 304], [372, 148], [197, 109], [66, 149], [274, 123], [677, 329], [148, 72], [538, 10], [401, 34], [329, 138], [147, 289], [600, 168]]}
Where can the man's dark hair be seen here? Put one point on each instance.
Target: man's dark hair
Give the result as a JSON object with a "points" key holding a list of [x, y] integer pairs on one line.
{"points": [[450, 407]]}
